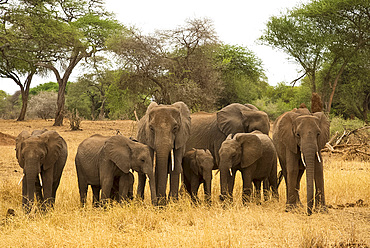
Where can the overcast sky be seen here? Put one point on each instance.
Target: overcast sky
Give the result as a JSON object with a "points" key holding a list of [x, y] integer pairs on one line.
{"points": [[236, 22]]}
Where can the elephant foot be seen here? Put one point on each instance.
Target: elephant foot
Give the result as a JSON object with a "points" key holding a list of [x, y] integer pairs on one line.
{"points": [[294, 208]]}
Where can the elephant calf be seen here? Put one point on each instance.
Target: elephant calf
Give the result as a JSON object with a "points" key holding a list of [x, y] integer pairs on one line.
{"points": [[42, 156], [105, 162], [254, 155], [197, 169]]}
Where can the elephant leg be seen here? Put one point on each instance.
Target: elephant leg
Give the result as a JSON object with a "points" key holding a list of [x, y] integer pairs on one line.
{"points": [[247, 186], [175, 175], [194, 189], [130, 193], [320, 204], [106, 189], [47, 186], [292, 176], [257, 192], [96, 195], [298, 187], [187, 185], [82, 186], [266, 189], [141, 185]]}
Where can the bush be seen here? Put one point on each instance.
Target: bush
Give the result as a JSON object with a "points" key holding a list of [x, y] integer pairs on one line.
{"points": [[43, 105], [339, 124]]}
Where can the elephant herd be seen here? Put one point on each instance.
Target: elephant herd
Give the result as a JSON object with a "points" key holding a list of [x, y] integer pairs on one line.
{"points": [[172, 142]]}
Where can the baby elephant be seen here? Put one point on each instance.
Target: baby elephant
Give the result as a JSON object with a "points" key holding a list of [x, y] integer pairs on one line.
{"points": [[254, 155], [104, 163], [197, 168]]}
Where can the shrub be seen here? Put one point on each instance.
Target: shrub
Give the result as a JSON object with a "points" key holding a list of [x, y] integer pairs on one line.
{"points": [[43, 105]]}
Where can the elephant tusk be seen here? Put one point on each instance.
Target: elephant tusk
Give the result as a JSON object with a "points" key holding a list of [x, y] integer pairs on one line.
{"points": [[147, 177], [172, 160], [131, 171], [40, 179], [302, 157], [21, 179], [231, 172], [318, 157]]}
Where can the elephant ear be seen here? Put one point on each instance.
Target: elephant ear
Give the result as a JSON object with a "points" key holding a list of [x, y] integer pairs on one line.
{"points": [[251, 148], [286, 132], [144, 134], [183, 133], [229, 119], [18, 146], [54, 145], [251, 106], [324, 125], [117, 149]]}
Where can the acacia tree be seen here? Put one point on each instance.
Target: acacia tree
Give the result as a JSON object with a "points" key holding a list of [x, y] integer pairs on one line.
{"points": [[322, 31], [175, 64], [90, 26], [346, 25], [18, 52], [298, 37]]}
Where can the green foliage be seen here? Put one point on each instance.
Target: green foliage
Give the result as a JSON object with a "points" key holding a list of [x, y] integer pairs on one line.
{"points": [[50, 86], [242, 75], [77, 99], [339, 124], [282, 98]]}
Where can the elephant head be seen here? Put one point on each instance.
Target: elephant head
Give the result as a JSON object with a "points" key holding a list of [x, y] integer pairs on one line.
{"points": [[244, 149], [36, 153], [305, 135], [239, 118], [201, 164], [127, 154], [165, 128]]}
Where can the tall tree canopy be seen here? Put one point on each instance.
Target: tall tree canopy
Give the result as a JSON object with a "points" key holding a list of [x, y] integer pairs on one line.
{"points": [[65, 32], [330, 32]]}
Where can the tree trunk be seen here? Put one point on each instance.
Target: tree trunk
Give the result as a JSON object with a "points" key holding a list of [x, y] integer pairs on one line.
{"points": [[335, 85], [59, 116], [25, 93]]}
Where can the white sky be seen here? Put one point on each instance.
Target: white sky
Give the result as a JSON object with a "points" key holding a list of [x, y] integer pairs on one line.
{"points": [[236, 22]]}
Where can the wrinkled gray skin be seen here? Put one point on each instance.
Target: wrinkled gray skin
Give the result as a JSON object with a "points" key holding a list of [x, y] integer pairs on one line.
{"points": [[45, 153], [197, 167], [104, 162], [209, 130], [254, 155], [300, 132], [163, 128]]}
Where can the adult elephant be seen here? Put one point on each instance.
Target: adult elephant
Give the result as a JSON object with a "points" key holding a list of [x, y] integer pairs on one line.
{"points": [[104, 162], [42, 156], [298, 137], [209, 130], [165, 129]]}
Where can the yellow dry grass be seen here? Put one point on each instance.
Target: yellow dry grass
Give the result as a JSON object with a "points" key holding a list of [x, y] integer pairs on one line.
{"points": [[179, 224]]}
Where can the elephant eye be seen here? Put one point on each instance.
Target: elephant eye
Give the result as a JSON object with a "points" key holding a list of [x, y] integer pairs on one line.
{"points": [[151, 128], [174, 130], [297, 134]]}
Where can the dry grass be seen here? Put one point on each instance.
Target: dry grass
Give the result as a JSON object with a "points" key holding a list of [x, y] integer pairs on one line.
{"points": [[180, 224]]}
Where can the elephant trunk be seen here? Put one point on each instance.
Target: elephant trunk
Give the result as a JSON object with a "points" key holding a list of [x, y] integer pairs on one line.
{"points": [[309, 157], [161, 173], [207, 187], [224, 177], [152, 188], [31, 177]]}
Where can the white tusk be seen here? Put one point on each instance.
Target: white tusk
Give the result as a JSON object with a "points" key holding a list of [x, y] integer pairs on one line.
{"points": [[21, 180], [318, 157], [147, 176], [131, 170], [40, 179], [304, 164], [172, 160], [231, 172]]}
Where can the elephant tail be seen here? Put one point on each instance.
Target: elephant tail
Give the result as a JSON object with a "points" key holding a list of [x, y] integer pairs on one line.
{"points": [[279, 179]]}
